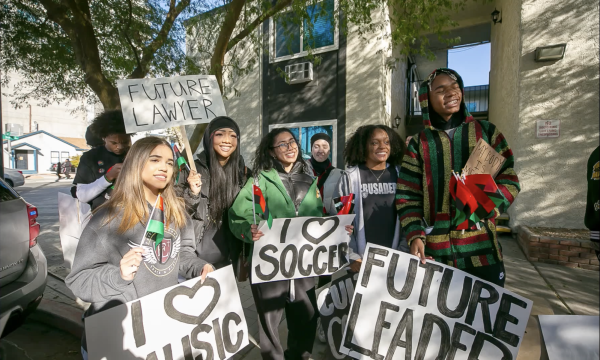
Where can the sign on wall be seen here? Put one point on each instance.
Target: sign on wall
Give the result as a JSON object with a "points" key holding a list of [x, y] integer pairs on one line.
{"points": [[547, 129], [300, 247], [403, 309], [180, 322], [150, 104]]}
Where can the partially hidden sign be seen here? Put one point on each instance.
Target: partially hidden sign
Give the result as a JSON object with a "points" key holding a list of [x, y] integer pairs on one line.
{"points": [[300, 247], [484, 160], [186, 321], [403, 309], [334, 305], [151, 104]]}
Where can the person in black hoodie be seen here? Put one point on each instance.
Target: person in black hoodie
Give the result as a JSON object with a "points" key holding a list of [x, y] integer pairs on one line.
{"points": [[592, 210], [209, 193], [99, 167]]}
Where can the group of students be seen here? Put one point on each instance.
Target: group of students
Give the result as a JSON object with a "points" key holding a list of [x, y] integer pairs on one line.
{"points": [[401, 201]]}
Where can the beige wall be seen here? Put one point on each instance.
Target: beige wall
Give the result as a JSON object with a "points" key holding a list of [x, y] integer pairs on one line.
{"points": [[552, 171], [366, 56], [67, 119]]}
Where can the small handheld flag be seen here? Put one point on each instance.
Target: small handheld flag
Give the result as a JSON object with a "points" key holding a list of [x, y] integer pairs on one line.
{"points": [[260, 205], [344, 204], [181, 162], [155, 230]]}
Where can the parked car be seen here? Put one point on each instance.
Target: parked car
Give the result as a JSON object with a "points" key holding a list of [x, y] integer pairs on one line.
{"points": [[23, 265], [14, 177]]}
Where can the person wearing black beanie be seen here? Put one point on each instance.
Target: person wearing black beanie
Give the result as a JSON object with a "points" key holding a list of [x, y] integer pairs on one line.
{"points": [[210, 192]]}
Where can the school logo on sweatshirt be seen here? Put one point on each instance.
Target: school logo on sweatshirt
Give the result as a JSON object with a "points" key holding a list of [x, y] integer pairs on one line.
{"points": [[596, 171], [163, 258], [377, 189]]}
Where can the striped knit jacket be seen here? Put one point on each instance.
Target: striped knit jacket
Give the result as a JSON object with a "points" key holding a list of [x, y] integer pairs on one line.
{"points": [[423, 189]]}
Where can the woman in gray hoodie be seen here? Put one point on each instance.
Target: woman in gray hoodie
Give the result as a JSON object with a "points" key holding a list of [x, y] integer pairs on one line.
{"points": [[117, 259]]}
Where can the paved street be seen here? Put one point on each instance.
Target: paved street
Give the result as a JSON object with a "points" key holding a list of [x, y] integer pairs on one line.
{"points": [[37, 341], [43, 193]]}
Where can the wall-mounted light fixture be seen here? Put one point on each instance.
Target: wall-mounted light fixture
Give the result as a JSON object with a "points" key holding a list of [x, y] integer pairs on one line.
{"points": [[396, 123], [550, 53], [496, 18]]}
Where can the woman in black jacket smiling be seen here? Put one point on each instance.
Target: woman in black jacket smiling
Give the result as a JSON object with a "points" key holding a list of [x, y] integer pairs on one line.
{"points": [[210, 192]]}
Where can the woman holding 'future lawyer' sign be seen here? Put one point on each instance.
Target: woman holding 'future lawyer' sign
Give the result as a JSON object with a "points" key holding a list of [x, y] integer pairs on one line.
{"points": [[289, 191], [138, 241]]}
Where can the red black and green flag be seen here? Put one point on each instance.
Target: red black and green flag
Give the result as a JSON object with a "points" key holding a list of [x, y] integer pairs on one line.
{"points": [[155, 230], [260, 205], [180, 160]]}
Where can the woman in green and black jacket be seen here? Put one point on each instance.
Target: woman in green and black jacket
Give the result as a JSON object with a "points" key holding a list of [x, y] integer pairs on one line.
{"points": [[289, 192]]}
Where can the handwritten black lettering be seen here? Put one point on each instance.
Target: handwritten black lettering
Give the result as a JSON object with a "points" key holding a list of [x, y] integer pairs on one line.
{"points": [[265, 257]]}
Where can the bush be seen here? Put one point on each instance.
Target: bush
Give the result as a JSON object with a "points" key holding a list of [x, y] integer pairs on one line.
{"points": [[75, 160]]}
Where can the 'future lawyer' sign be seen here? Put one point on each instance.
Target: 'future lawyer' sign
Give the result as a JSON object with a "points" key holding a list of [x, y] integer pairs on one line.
{"points": [[150, 104]]}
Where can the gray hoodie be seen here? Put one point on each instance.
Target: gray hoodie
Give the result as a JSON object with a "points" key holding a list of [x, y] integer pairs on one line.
{"points": [[96, 277]]}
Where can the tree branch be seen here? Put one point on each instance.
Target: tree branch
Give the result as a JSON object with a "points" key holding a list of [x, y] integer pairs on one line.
{"points": [[150, 50], [280, 5], [126, 34], [234, 9]]}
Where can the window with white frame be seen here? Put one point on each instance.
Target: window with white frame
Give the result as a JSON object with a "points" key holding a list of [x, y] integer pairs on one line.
{"points": [[54, 157], [305, 130], [64, 155], [318, 32]]}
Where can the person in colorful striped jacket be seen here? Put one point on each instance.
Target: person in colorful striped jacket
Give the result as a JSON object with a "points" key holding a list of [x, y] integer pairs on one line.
{"points": [[423, 198]]}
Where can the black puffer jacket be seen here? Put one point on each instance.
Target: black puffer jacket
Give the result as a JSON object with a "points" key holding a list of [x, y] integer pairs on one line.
{"points": [[215, 243], [296, 182]]}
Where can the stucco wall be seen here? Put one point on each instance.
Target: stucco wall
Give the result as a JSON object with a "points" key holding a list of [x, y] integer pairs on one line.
{"points": [[504, 79], [244, 105], [426, 66], [365, 77], [552, 171]]}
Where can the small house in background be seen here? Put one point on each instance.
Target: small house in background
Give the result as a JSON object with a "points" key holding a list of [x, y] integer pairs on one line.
{"points": [[37, 152]]}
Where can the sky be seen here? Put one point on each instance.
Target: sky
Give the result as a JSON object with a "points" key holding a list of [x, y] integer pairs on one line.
{"points": [[472, 63]]}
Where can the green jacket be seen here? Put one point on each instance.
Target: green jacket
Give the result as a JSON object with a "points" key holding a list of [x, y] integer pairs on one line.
{"points": [[241, 213]]}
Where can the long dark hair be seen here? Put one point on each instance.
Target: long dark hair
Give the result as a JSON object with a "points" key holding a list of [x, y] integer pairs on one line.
{"points": [[356, 152], [224, 181], [263, 160]]}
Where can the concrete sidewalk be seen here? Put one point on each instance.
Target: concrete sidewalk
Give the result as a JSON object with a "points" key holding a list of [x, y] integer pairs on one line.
{"points": [[553, 289]]}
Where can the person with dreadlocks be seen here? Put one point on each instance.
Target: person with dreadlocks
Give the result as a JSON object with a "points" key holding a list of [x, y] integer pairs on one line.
{"points": [[210, 192], [424, 203], [99, 167], [373, 158]]}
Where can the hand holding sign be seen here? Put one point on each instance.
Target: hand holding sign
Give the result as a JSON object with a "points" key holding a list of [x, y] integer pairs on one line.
{"points": [[195, 182], [300, 247]]}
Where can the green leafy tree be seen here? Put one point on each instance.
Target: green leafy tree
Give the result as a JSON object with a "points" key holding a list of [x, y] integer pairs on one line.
{"points": [[77, 49]]}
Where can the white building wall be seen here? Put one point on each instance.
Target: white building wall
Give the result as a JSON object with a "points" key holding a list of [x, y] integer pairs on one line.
{"points": [[552, 171], [59, 119], [47, 144]]}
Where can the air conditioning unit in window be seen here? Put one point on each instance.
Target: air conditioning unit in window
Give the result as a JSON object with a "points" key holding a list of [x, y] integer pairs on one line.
{"points": [[299, 73]]}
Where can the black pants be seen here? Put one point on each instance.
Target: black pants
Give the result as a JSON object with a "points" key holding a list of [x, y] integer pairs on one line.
{"points": [[492, 273], [272, 299]]}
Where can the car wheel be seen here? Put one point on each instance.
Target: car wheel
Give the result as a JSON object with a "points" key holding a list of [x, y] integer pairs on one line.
{"points": [[9, 182]]}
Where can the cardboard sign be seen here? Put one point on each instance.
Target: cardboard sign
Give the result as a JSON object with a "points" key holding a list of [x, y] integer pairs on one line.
{"points": [[547, 129], [150, 104], [334, 306], [571, 336], [180, 322], [484, 160], [403, 309], [300, 247]]}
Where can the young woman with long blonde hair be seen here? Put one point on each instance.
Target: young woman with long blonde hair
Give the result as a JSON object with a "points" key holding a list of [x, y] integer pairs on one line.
{"points": [[117, 260]]}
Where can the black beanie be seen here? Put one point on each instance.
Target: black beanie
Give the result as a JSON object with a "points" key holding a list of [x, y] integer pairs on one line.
{"points": [[320, 136], [218, 123]]}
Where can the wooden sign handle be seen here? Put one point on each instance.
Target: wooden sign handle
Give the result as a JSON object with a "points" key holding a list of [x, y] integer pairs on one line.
{"points": [[188, 150]]}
